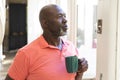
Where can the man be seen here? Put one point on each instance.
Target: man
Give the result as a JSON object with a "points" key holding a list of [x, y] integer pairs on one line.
{"points": [[44, 58]]}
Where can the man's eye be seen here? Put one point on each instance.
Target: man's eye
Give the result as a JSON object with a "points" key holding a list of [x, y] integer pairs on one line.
{"points": [[60, 15]]}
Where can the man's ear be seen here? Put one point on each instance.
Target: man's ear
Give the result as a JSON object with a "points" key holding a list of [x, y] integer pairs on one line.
{"points": [[43, 23]]}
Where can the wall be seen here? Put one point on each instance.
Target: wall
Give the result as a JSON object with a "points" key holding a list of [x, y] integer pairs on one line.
{"points": [[2, 24], [107, 41], [118, 45], [34, 29]]}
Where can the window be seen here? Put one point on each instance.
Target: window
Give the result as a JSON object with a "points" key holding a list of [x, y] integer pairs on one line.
{"points": [[86, 33]]}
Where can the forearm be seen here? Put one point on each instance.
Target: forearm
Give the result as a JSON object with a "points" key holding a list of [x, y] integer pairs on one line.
{"points": [[78, 76], [8, 77]]}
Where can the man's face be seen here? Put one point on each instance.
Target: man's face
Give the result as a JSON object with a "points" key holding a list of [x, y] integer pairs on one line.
{"points": [[56, 22]]}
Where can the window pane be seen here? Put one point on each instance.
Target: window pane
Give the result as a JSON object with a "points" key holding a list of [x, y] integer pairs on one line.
{"points": [[86, 33]]}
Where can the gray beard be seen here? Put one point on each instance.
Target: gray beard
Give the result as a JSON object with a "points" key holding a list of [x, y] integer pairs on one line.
{"points": [[62, 33]]}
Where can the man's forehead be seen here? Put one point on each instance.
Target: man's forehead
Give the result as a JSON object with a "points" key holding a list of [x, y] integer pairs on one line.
{"points": [[56, 10]]}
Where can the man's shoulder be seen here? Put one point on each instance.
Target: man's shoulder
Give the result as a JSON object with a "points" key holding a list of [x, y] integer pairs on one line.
{"points": [[31, 46]]}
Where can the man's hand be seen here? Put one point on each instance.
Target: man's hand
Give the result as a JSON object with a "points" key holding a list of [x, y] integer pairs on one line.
{"points": [[82, 65]]}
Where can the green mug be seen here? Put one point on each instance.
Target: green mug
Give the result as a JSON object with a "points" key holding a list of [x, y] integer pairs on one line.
{"points": [[71, 64]]}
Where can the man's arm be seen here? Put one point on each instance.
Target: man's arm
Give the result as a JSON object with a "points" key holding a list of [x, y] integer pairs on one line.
{"points": [[8, 77], [78, 76]]}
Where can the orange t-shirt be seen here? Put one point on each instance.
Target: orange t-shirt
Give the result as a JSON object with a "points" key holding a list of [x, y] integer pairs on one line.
{"points": [[40, 61]]}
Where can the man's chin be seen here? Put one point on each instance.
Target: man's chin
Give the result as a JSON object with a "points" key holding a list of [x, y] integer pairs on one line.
{"points": [[64, 34]]}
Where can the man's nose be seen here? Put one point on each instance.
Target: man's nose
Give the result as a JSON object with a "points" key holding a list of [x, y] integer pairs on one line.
{"points": [[64, 20]]}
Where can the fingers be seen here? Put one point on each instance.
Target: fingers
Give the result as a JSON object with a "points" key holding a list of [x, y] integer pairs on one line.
{"points": [[83, 62], [83, 65]]}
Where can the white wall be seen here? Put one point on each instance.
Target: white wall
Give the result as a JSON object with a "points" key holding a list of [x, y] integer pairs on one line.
{"points": [[118, 45], [106, 47], [2, 24], [33, 25]]}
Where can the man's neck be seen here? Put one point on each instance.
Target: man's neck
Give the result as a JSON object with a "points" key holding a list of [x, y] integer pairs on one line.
{"points": [[55, 41]]}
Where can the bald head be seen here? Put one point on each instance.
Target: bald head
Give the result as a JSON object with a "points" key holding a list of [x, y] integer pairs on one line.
{"points": [[46, 11]]}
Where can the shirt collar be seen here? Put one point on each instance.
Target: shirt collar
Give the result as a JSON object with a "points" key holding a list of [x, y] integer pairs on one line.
{"points": [[44, 44]]}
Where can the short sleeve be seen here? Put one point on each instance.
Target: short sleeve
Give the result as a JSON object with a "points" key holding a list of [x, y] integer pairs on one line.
{"points": [[19, 68]]}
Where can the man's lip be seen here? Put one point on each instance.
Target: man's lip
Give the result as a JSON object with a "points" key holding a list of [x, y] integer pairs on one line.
{"points": [[65, 28]]}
